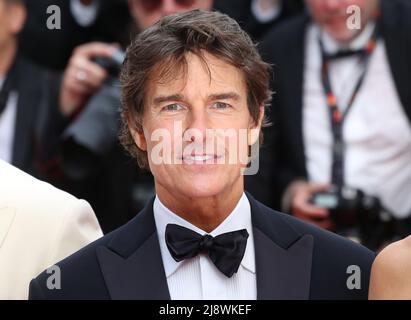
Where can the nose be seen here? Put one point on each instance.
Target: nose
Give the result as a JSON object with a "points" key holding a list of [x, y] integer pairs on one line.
{"points": [[196, 125]]}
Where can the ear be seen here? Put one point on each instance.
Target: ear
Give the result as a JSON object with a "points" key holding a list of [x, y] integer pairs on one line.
{"points": [[16, 17], [254, 130], [137, 134]]}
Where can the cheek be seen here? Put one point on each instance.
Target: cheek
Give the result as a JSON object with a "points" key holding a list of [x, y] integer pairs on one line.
{"points": [[3, 29], [159, 137]]}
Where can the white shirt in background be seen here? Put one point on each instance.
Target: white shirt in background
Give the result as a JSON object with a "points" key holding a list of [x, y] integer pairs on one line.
{"points": [[85, 16], [266, 15], [7, 126]]}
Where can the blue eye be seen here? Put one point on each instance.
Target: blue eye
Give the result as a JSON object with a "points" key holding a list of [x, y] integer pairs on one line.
{"points": [[172, 107], [221, 105]]}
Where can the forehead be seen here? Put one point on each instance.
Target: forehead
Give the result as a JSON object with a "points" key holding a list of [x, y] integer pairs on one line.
{"points": [[200, 76]]}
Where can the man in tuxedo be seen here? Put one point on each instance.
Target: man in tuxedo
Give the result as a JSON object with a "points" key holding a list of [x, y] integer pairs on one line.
{"points": [[360, 77], [194, 89], [39, 225]]}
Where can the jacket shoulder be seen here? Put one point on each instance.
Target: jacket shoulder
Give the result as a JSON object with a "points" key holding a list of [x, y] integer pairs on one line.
{"points": [[76, 277], [284, 37], [39, 198]]}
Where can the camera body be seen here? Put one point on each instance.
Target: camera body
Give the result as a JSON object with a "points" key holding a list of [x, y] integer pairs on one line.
{"points": [[113, 64], [349, 207]]}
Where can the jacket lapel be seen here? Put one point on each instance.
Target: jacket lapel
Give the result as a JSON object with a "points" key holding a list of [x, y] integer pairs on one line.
{"points": [[28, 101], [131, 264], [283, 256], [6, 220]]}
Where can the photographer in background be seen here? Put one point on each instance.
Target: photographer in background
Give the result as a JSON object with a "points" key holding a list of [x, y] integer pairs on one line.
{"points": [[339, 151], [80, 148]]}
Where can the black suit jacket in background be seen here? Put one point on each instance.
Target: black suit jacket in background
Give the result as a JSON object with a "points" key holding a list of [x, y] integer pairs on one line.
{"points": [[294, 260], [36, 97], [53, 48], [282, 157]]}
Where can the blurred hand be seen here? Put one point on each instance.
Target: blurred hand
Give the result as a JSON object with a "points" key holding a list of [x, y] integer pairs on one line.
{"points": [[302, 208], [82, 77]]}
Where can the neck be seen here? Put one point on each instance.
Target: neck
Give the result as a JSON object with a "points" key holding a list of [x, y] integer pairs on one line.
{"points": [[206, 213], [7, 54]]}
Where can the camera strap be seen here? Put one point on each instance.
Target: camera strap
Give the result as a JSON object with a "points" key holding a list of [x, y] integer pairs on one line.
{"points": [[337, 116], [9, 84]]}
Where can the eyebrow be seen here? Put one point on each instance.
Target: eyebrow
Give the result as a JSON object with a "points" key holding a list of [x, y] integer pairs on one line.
{"points": [[179, 97], [174, 97], [225, 96]]}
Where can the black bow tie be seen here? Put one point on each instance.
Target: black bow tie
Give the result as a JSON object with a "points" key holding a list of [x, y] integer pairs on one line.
{"points": [[225, 250], [345, 53]]}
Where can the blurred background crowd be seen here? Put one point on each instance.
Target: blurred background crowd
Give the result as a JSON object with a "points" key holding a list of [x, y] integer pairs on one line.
{"points": [[338, 153]]}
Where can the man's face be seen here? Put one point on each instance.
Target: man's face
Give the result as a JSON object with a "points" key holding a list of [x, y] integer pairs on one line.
{"points": [[12, 17], [148, 12], [332, 16], [205, 154]]}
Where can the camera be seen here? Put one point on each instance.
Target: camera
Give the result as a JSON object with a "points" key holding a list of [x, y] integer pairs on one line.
{"points": [[113, 64], [349, 207]]}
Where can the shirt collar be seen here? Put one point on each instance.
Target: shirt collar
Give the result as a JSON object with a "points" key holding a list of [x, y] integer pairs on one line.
{"points": [[239, 218], [266, 15], [331, 46]]}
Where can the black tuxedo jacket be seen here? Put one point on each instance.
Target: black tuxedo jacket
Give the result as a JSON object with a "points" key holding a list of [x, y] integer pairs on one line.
{"points": [[282, 158], [112, 25], [35, 97], [293, 261]]}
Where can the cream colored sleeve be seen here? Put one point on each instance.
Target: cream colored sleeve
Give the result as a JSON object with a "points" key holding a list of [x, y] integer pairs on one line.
{"points": [[78, 228]]}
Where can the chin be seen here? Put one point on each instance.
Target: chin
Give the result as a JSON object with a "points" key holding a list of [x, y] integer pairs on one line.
{"points": [[343, 35], [201, 187]]}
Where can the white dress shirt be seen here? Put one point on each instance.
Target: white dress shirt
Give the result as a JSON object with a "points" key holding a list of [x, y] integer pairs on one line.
{"points": [[85, 16], [198, 278], [267, 15], [377, 131], [7, 126]]}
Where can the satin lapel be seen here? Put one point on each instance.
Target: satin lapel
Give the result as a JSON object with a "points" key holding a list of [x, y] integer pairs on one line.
{"points": [[283, 256], [131, 264]]}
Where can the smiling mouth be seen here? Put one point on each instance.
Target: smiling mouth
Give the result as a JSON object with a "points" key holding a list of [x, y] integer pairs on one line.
{"points": [[201, 158]]}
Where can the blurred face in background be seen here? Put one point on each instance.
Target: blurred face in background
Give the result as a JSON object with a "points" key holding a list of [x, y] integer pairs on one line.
{"points": [[12, 18], [148, 12], [332, 16]]}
